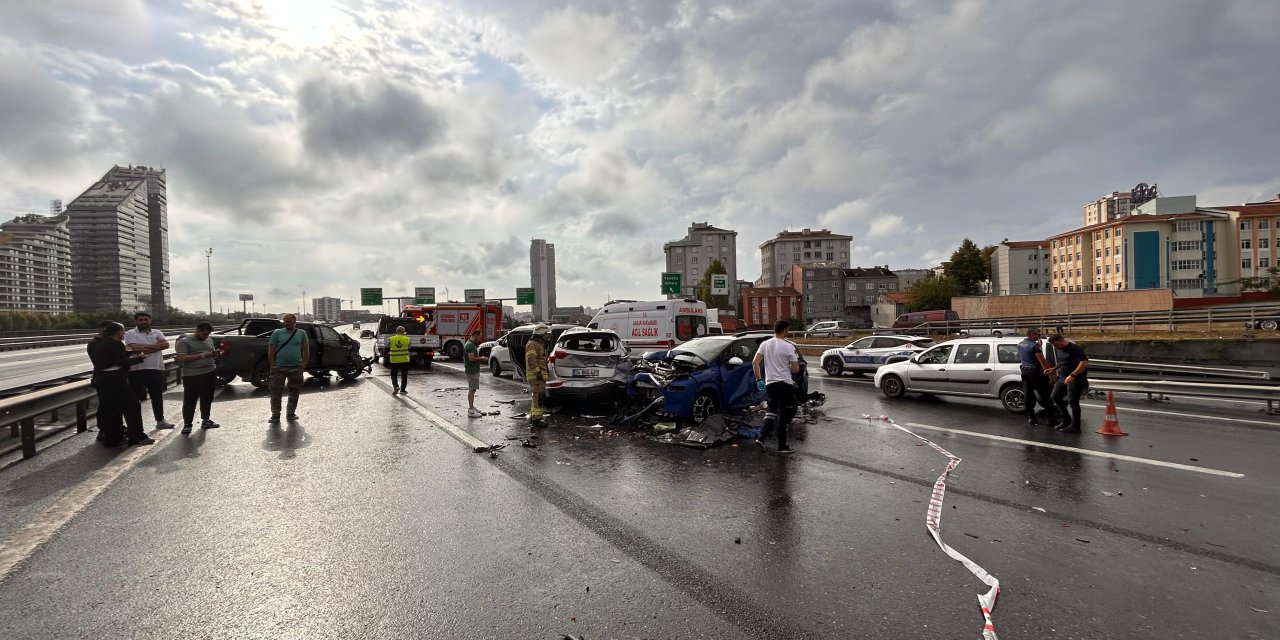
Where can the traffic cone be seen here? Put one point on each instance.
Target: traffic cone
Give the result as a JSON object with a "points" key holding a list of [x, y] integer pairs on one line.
{"points": [[1111, 424]]}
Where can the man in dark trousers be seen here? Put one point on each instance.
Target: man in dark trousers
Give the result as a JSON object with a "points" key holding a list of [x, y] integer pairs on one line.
{"points": [[147, 378], [1073, 382], [1036, 383], [775, 363]]}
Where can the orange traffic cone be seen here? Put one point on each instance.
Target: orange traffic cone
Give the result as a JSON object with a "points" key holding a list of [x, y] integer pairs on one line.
{"points": [[1111, 424]]}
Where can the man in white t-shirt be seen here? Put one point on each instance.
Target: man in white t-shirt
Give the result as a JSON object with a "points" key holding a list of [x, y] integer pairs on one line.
{"points": [[775, 362], [148, 378]]}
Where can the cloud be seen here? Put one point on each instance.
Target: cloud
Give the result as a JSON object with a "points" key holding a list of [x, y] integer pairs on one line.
{"points": [[372, 119]]}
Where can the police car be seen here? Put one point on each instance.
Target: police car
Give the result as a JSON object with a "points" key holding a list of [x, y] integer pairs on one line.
{"points": [[867, 354]]}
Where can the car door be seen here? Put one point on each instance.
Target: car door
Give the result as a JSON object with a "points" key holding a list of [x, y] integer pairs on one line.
{"points": [[971, 369], [858, 354], [329, 348], [928, 372], [738, 382]]}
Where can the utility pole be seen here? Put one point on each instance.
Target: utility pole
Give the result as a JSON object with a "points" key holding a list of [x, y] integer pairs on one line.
{"points": [[208, 270]]}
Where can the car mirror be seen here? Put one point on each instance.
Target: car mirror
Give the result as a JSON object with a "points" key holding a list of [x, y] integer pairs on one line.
{"points": [[915, 360], [735, 361]]}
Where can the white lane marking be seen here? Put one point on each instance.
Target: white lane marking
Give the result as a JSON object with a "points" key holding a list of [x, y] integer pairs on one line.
{"points": [[457, 432], [19, 546], [1046, 445], [1121, 408]]}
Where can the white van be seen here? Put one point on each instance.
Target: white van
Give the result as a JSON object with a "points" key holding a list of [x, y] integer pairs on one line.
{"points": [[661, 324]]}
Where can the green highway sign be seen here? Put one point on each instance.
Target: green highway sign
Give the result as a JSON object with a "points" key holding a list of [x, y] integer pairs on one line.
{"points": [[424, 295], [371, 297], [524, 295], [671, 282]]}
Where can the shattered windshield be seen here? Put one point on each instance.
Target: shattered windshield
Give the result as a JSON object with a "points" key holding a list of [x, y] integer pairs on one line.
{"points": [[707, 348]]}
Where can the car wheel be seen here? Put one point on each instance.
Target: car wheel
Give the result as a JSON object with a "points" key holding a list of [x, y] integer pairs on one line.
{"points": [[893, 387], [705, 405], [261, 374], [1013, 399], [833, 367], [453, 350], [1269, 325], [494, 367], [222, 379], [352, 370]]}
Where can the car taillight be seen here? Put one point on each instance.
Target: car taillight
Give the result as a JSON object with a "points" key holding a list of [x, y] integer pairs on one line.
{"points": [[225, 347], [558, 353]]}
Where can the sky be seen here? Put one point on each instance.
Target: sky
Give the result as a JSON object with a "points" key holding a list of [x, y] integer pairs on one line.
{"points": [[328, 145]]}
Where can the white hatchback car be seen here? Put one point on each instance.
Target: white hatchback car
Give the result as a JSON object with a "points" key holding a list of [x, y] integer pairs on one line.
{"points": [[588, 364], [867, 354], [974, 367]]}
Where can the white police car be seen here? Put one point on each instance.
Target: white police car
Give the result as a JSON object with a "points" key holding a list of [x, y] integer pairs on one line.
{"points": [[867, 354]]}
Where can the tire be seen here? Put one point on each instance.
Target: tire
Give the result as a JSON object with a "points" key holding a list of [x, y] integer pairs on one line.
{"points": [[1013, 399], [1269, 325], [833, 367], [494, 367], [453, 350], [352, 371], [223, 379], [893, 387], [705, 405], [261, 375]]}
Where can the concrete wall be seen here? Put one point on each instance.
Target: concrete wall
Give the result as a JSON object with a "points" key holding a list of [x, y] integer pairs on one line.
{"points": [[1062, 303]]}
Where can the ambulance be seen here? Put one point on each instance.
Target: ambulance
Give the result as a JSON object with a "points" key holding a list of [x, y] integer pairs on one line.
{"points": [[661, 324], [451, 323]]}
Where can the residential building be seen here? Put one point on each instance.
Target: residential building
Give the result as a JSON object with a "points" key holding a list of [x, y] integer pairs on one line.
{"points": [[888, 307], [1019, 268], [542, 277], [690, 256], [788, 248], [862, 286], [1109, 207], [571, 315], [326, 309], [763, 306], [157, 226], [1258, 231], [908, 277], [111, 246], [822, 285], [35, 264]]}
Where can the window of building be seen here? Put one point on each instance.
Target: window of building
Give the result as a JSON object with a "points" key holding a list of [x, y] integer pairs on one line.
{"points": [[1106, 234], [1246, 244], [869, 286], [693, 271], [1244, 225], [1077, 273], [882, 286], [679, 262], [1263, 224], [1097, 253], [1246, 263], [806, 244], [1183, 245], [693, 260], [808, 285], [853, 286], [808, 273], [870, 300], [1264, 262], [1108, 269], [1097, 271], [831, 255], [795, 257], [1187, 283], [1187, 225], [893, 286], [844, 255], [678, 249], [1264, 243], [1187, 265]]}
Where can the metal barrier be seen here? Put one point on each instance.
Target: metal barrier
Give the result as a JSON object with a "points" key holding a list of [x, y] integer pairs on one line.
{"points": [[62, 338], [1167, 320], [1175, 370], [19, 413], [1271, 394]]}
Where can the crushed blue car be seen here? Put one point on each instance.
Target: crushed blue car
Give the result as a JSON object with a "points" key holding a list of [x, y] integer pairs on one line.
{"points": [[703, 377]]}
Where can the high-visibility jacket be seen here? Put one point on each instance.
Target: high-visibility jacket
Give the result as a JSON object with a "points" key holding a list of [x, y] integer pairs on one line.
{"points": [[398, 349]]}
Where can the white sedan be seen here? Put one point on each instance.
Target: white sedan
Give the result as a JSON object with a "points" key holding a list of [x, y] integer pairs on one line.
{"points": [[867, 354], [974, 367]]}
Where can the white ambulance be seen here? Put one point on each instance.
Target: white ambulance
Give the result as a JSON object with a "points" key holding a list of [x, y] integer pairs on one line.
{"points": [[661, 324]]}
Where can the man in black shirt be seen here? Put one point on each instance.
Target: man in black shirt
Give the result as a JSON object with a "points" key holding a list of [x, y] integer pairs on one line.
{"points": [[1072, 382]]}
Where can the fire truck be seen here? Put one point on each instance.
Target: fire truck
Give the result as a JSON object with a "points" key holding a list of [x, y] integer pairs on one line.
{"points": [[453, 323]]}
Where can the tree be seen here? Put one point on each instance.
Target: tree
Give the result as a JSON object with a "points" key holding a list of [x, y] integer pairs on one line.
{"points": [[931, 294], [967, 268], [704, 288], [987, 252]]}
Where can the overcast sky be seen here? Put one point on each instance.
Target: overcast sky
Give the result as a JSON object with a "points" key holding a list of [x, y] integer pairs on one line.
{"points": [[328, 145]]}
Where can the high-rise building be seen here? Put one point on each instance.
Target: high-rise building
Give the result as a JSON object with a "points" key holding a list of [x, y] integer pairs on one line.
{"points": [[702, 245], [110, 243], [157, 227], [788, 248], [35, 264], [1109, 207], [326, 309], [120, 241], [1019, 268], [542, 277]]}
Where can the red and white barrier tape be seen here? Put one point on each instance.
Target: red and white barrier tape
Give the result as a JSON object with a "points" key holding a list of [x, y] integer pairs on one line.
{"points": [[933, 520]]}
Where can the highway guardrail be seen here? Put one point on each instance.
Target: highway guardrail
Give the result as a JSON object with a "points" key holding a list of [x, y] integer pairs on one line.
{"points": [[1269, 393], [63, 338], [1168, 320]]}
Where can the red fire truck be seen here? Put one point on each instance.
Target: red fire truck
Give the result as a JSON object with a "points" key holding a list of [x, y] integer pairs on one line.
{"points": [[453, 323]]}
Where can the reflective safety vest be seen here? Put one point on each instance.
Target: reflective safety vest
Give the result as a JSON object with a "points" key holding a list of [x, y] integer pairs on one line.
{"points": [[398, 349]]}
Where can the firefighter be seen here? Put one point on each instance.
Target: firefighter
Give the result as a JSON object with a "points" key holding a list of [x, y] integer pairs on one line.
{"points": [[398, 361], [536, 372]]}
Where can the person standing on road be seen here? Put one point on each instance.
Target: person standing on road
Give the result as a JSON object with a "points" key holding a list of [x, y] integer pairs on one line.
{"points": [[288, 352], [536, 372], [148, 378], [398, 361], [1073, 382], [117, 403], [775, 362], [471, 366], [1036, 384], [196, 353]]}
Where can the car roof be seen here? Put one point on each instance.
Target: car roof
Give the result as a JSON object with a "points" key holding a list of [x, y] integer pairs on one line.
{"points": [[900, 337]]}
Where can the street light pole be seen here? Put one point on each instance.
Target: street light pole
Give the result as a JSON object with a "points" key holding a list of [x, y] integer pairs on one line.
{"points": [[208, 270]]}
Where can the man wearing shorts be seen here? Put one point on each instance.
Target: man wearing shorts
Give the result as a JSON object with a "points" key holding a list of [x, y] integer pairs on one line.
{"points": [[471, 366]]}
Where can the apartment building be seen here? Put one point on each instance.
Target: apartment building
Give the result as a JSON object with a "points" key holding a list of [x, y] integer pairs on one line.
{"points": [[763, 306], [542, 277], [326, 309], [822, 286], [111, 247], [1107, 208], [703, 244], [780, 253], [1257, 226], [35, 264], [1020, 267]]}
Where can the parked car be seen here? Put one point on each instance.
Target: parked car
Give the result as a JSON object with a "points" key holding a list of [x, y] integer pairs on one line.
{"points": [[827, 329], [1265, 324], [705, 376], [974, 367], [518, 338], [366, 334], [917, 318], [994, 329], [588, 364], [867, 354], [495, 352], [246, 351]]}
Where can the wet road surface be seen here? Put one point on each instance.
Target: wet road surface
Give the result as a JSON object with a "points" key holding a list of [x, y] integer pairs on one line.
{"points": [[363, 520]]}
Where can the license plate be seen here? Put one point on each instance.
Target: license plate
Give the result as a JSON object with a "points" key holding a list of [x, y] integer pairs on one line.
{"points": [[586, 373]]}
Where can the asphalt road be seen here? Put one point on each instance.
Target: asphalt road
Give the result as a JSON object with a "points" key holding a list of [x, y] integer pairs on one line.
{"points": [[364, 520]]}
